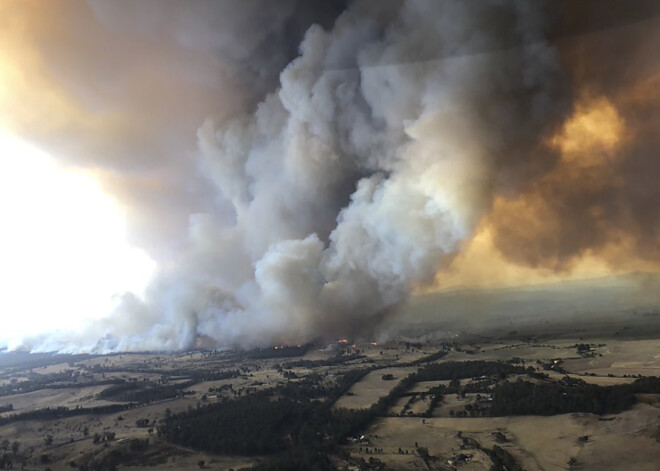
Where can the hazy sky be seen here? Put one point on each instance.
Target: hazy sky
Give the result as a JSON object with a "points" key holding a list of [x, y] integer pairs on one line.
{"points": [[245, 173]]}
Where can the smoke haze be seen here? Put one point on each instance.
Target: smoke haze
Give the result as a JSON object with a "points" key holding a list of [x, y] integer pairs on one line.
{"points": [[298, 170]]}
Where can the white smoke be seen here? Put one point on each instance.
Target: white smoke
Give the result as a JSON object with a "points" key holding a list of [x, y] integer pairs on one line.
{"points": [[355, 180]]}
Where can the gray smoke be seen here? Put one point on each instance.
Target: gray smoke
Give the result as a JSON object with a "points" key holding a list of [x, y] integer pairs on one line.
{"points": [[297, 169], [355, 180], [138, 78]]}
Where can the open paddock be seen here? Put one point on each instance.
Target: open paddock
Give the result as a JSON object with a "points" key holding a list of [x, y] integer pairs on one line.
{"points": [[537, 443], [372, 387]]}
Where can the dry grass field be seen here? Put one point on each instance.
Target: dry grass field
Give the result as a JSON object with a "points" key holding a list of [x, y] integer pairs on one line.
{"points": [[372, 387], [538, 443]]}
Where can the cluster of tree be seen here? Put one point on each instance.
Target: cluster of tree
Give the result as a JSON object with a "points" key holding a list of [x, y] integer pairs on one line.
{"points": [[14, 446], [142, 423], [554, 365], [413, 344], [468, 369], [105, 462], [50, 413], [295, 425], [288, 374], [106, 436], [406, 408], [287, 421], [68, 379], [196, 375], [250, 425], [215, 375], [306, 389], [582, 348], [7, 408], [138, 444], [453, 370], [129, 453], [118, 389], [479, 386], [21, 361], [437, 394], [200, 375], [6, 462], [143, 393], [502, 460], [311, 364], [569, 395], [276, 352], [429, 358], [471, 410]]}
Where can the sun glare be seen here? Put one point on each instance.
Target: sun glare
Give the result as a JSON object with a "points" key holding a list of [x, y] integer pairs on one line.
{"points": [[63, 250]]}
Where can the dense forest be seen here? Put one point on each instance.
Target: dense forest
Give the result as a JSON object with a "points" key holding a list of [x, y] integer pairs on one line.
{"points": [[255, 424], [287, 421]]}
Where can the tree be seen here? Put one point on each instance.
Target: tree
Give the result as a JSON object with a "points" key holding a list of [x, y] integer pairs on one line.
{"points": [[5, 444], [201, 463], [15, 447], [48, 441], [143, 422]]}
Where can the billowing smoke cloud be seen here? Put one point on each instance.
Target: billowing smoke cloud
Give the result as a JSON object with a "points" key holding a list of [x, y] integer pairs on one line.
{"points": [[360, 175], [120, 88], [336, 181]]}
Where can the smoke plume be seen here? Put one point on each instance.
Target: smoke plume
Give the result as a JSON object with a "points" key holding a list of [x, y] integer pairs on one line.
{"points": [[360, 175], [352, 152]]}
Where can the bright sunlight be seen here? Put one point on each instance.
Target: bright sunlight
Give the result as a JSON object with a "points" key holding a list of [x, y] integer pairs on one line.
{"points": [[63, 250]]}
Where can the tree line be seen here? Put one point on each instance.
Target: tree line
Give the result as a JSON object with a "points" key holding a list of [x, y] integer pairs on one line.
{"points": [[568, 395]]}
